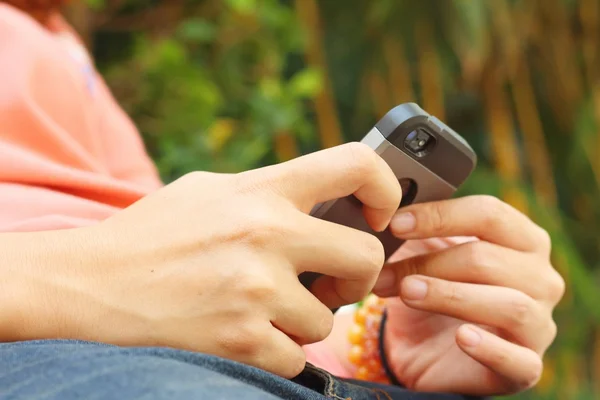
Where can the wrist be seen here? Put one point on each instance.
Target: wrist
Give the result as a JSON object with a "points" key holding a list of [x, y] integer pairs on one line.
{"points": [[44, 278]]}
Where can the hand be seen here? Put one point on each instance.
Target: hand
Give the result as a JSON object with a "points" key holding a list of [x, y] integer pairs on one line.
{"points": [[210, 263], [473, 318]]}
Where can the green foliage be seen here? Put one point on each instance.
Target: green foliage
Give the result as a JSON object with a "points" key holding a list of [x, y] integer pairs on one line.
{"points": [[213, 95], [95, 4]]}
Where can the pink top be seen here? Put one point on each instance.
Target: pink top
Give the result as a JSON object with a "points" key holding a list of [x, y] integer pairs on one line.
{"points": [[69, 156]]}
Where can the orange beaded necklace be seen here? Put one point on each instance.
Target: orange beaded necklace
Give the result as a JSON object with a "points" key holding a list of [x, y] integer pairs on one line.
{"points": [[364, 339]]}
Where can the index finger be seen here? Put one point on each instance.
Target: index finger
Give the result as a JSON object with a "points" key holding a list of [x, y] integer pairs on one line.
{"points": [[485, 217], [350, 169]]}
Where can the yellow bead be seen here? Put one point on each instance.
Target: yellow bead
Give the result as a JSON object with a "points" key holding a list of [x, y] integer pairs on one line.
{"points": [[355, 355], [374, 365], [372, 327], [371, 302], [375, 306], [371, 348], [362, 373], [360, 316], [356, 334]]}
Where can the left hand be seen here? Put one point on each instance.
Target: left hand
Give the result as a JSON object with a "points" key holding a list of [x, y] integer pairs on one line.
{"points": [[473, 318]]}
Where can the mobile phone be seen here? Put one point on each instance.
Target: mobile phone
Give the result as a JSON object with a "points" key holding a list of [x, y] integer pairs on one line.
{"points": [[430, 160]]}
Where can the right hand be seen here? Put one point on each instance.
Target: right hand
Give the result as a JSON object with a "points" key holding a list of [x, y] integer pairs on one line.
{"points": [[210, 263]]}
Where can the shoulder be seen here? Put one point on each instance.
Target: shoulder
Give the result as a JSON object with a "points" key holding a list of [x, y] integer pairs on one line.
{"points": [[34, 58], [22, 40], [15, 22]]}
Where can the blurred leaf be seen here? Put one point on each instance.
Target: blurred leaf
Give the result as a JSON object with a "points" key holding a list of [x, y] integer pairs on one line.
{"points": [[197, 30], [306, 83], [243, 6], [96, 4]]}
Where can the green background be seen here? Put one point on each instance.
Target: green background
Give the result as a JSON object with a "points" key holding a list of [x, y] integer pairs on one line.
{"points": [[228, 85]]}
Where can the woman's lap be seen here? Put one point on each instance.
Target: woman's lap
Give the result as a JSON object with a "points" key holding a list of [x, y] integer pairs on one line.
{"points": [[70, 370]]}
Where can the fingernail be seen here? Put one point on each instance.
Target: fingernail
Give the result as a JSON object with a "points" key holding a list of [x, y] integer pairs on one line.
{"points": [[386, 281], [413, 289], [403, 223], [469, 337]]}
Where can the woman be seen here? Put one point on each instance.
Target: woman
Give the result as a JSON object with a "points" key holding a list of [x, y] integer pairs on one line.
{"points": [[113, 286]]}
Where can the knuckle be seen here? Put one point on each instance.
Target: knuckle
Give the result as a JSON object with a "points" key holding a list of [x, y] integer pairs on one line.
{"points": [[479, 259], [491, 209], [556, 286], [296, 362], [435, 218], [259, 228], [521, 311], [552, 330], [413, 266], [244, 341], [451, 293], [527, 380], [545, 240], [533, 375], [490, 203], [324, 324], [374, 255], [256, 288], [320, 322], [362, 159]]}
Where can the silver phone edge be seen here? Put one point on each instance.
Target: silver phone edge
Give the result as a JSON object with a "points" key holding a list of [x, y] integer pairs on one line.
{"points": [[375, 140]]}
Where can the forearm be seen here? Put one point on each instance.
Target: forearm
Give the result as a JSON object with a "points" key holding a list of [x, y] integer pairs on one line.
{"points": [[41, 279]]}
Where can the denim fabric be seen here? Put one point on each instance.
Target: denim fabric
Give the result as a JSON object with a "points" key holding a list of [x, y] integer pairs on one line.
{"points": [[70, 370]]}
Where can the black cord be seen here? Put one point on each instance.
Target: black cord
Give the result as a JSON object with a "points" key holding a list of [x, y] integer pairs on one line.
{"points": [[384, 362]]}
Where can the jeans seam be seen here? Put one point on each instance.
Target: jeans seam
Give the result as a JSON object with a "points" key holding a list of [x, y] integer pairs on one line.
{"points": [[330, 386], [380, 391], [329, 382]]}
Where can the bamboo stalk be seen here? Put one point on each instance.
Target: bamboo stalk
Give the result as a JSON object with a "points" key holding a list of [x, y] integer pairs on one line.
{"points": [[561, 73], [504, 146], [430, 74], [548, 376], [325, 109], [497, 109], [506, 34], [470, 49], [399, 74], [527, 112], [82, 19], [380, 95], [362, 107], [564, 51], [588, 15], [528, 118], [596, 362], [572, 365], [286, 147]]}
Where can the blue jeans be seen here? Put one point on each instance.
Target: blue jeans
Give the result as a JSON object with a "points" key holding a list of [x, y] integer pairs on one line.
{"points": [[69, 370]]}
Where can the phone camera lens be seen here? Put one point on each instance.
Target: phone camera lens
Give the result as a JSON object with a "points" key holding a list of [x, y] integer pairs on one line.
{"points": [[419, 142]]}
